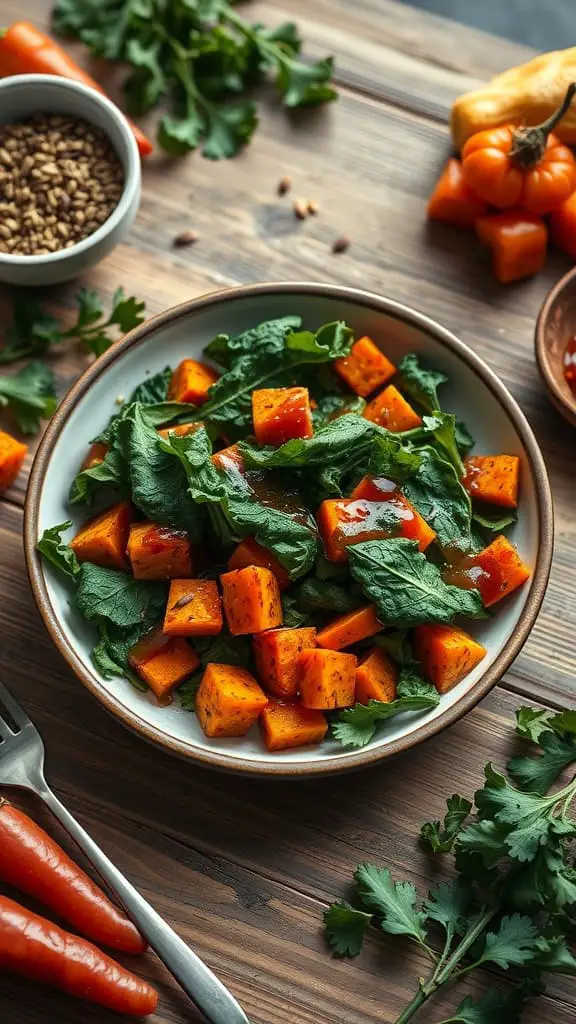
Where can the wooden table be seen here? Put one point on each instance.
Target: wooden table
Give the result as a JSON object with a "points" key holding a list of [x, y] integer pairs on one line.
{"points": [[244, 868]]}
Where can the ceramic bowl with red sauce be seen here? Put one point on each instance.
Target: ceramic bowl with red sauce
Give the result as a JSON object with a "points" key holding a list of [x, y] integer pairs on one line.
{"points": [[555, 345]]}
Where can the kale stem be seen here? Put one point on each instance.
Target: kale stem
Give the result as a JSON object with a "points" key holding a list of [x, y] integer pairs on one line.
{"points": [[462, 948]]}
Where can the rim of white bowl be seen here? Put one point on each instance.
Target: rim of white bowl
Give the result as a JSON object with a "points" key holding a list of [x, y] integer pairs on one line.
{"points": [[131, 164]]}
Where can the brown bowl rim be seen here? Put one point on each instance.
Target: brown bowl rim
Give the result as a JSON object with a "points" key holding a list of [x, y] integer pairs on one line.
{"points": [[344, 761], [555, 392]]}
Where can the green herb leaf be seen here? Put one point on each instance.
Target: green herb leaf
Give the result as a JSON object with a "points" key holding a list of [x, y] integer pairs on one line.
{"points": [[463, 437], [345, 928], [420, 383], [356, 726], [406, 588], [494, 522], [112, 472], [496, 1007], [32, 331], [449, 904], [440, 837], [117, 597], [393, 902], [554, 955], [326, 598], [330, 407], [538, 774], [57, 551], [514, 944], [436, 492], [29, 395]]}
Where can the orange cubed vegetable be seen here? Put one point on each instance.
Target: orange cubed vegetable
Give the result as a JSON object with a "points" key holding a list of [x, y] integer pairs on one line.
{"points": [[291, 725], [191, 382], [279, 414], [376, 678], [350, 629], [563, 226], [518, 242], [366, 368], [453, 201], [327, 678], [163, 662], [228, 701], [158, 553], [12, 455], [180, 430], [251, 600], [104, 538], [276, 653], [447, 654], [391, 410], [96, 455], [345, 521], [193, 609], [501, 570], [377, 488], [249, 552], [493, 478]]}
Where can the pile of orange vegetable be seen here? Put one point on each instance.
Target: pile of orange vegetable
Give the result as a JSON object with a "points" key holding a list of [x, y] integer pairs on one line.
{"points": [[507, 180]]}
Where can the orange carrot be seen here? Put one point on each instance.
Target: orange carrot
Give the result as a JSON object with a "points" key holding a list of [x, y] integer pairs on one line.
{"points": [[518, 242], [366, 368], [291, 725], [249, 552], [350, 629], [193, 609], [191, 382], [12, 455], [25, 49], [103, 539], [228, 701], [453, 201], [279, 414], [158, 553], [327, 678], [447, 654], [391, 410], [251, 600], [376, 678], [276, 653], [493, 478], [163, 662]]}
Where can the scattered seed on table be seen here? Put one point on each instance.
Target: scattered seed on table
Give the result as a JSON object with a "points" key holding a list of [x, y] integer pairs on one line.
{"points": [[60, 179], [300, 209], [341, 244], [284, 185], [312, 207], [185, 238]]}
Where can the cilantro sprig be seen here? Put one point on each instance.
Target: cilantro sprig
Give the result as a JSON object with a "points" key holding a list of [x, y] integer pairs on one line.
{"points": [[200, 55], [511, 904]]}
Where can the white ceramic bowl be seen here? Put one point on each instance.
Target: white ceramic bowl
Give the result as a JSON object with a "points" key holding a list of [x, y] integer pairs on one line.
{"points": [[22, 96], [474, 393]]}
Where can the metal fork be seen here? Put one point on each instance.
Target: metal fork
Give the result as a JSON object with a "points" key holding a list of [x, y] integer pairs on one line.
{"points": [[22, 766]]}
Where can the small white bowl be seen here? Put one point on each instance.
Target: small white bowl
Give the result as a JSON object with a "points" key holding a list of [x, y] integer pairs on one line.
{"points": [[22, 96]]}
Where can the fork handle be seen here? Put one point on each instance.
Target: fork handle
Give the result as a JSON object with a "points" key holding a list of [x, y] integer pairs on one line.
{"points": [[198, 981]]}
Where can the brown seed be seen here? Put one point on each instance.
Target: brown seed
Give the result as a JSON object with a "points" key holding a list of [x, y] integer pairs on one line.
{"points": [[341, 244], [312, 207], [182, 602], [284, 185], [300, 209], [185, 238]]}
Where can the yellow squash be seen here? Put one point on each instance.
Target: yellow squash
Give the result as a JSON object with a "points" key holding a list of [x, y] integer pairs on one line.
{"points": [[527, 95]]}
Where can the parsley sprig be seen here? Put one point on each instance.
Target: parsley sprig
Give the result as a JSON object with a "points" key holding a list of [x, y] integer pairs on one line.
{"points": [[511, 904]]}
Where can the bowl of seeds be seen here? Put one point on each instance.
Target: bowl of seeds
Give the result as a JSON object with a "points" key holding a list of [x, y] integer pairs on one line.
{"points": [[69, 179]]}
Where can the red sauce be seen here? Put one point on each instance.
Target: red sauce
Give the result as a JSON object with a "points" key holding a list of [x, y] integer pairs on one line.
{"points": [[361, 520], [375, 488], [570, 364], [161, 539], [481, 572]]}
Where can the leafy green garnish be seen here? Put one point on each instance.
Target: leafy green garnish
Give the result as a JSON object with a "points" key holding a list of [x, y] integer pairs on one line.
{"points": [[29, 395], [440, 836], [57, 551], [117, 597], [494, 522], [437, 493], [406, 588], [555, 734], [330, 407], [421, 384], [356, 726], [345, 927]]}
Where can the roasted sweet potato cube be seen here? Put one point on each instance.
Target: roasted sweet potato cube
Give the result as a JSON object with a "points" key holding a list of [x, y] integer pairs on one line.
{"points": [[366, 368], [276, 654], [501, 570], [95, 455], [376, 677], [159, 553], [414, 526], [350, 629], [193, 609], [103, 539], [228, 701], [291, 725], [391, 410], [345, 521], [163, 662], [191, 382], [249, 552], [251, 600], [327, 678], [446, 653], [493, 478], [12, 455], [279, 414], [180, 430], [518, 241]]}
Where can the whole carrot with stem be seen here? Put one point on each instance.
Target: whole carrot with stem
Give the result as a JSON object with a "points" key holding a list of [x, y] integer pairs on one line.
{"points": [[31, 861], [25, 50], [37, 949]]}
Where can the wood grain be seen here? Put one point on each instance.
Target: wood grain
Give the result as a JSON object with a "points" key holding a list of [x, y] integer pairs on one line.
{"points": [[242, 874]]}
